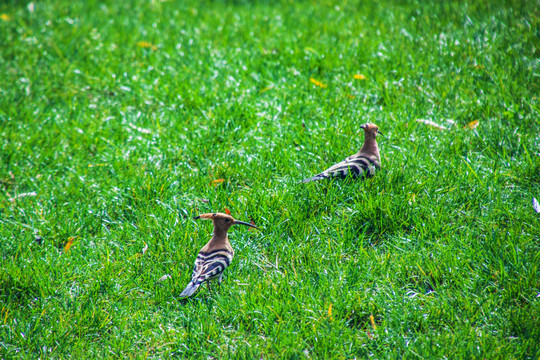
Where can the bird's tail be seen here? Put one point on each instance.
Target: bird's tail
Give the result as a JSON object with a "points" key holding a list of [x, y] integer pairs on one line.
{"points": [[314, 178], [190, 290]]}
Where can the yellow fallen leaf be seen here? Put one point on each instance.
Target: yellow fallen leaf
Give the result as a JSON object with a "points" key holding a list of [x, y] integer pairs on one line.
{"points": [[472, 125], [330, 311], [146, 45], [5, 17], [317, 83], [69, 243], [312, 50], [359, 77], [372, 321], [266, 89], [217, 181]]}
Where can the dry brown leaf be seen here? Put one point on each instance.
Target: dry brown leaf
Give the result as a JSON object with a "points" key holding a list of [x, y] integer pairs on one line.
{"points": [[33, 193], [145, 248], [165, 277], [432, 124], [140, 129], [227, 211], [252, 223]]}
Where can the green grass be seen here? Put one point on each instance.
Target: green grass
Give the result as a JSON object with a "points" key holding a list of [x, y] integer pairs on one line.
{"points": [[116, 142]]}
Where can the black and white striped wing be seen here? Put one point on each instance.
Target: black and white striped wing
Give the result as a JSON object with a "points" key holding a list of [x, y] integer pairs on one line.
{"points": [[210, 265], [355, 166]]}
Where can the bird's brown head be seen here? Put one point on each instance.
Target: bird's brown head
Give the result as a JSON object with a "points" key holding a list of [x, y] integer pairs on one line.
{"points": [[371, 130], [223, 221]]}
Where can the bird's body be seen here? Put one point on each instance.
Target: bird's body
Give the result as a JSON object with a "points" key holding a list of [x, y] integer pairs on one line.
{"points": [[209, 265], [215, 256], [362, 164]]}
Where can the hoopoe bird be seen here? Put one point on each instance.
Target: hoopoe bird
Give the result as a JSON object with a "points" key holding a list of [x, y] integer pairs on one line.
{"points": [[216, 255], [363, 163]]}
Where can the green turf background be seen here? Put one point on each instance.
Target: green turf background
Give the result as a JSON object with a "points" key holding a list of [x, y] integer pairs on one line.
{"points": [[116, 118]]}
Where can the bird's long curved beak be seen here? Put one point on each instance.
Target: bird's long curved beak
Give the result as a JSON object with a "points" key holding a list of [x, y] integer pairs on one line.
{"points": [[245, 223], [379, 131]]}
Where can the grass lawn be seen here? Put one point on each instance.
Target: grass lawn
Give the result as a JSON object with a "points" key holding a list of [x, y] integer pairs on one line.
{"points": [[122, 120]]}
